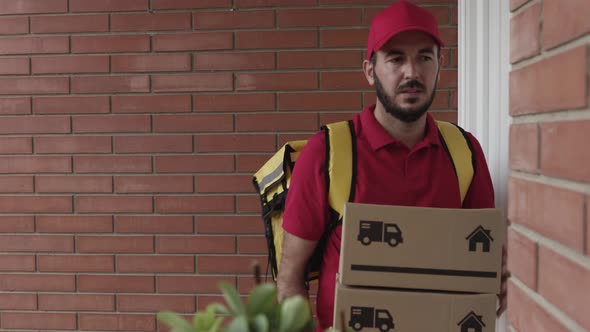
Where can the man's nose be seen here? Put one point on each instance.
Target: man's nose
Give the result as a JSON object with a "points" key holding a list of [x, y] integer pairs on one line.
{"points": [[410, 70]]}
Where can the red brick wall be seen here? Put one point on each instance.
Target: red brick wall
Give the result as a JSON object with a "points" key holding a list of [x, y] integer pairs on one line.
{"points": [[129, 133], [549, 240]]}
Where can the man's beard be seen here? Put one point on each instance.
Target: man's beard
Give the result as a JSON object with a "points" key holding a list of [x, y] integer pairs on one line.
{"points": [[407, 114]]}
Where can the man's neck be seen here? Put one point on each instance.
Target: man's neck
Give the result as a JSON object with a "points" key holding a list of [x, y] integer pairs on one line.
{"points": [[408, 133]]}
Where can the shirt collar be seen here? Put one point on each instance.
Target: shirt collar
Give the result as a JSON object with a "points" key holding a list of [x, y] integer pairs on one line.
{"points": [[378, 137]]}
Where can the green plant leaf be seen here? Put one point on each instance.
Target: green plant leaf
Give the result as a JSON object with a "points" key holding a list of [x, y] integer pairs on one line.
{"points": [[216, 327], [177, 323], [203, 321], [220, 309], [260, 323], [238, 324], [232, 298], [261, 300], [295, 314]]}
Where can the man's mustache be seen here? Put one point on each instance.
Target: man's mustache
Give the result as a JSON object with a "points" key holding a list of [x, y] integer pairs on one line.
{"points": [[411, 85]]}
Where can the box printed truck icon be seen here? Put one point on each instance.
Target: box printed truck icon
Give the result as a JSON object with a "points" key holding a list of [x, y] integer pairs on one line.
{"points": [[368, 317], [377, 231]]}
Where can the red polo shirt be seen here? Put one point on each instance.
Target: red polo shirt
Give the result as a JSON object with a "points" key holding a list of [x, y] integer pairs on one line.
{"points": [[387, 173]]}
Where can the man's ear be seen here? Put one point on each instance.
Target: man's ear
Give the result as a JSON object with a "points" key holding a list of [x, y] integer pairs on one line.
{"points": [[369, 71]]}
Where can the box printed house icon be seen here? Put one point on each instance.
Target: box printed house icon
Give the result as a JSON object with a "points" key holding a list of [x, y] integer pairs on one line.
{"points": [[480, 235], [471, 323]]}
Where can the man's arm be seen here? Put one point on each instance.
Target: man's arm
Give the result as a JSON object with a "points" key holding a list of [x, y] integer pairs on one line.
{"points": [[296, 253]]}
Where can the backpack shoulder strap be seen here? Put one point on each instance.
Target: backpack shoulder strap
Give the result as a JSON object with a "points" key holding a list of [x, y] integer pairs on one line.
{"points": [[340, 164], [459, 148]]}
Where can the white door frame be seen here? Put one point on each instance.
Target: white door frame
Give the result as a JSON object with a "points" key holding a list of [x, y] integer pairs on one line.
{"points": [[483, 105]]}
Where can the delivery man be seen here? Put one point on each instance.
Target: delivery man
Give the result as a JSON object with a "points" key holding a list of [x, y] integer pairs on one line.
{"points": [[400, 160]]}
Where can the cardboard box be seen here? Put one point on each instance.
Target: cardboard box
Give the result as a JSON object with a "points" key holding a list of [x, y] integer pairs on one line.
{"points": [[422, 248], [388, 310]]}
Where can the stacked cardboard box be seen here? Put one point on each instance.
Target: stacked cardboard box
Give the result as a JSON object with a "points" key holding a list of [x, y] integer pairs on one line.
{"points": [[419, 269]]}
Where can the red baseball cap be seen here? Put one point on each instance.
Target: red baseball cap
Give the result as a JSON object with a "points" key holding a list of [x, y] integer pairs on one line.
{"points": [[399, 17]]}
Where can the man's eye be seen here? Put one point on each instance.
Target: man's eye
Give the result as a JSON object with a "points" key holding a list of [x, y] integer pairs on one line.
{"points": [[426, 58], [396, 60]]}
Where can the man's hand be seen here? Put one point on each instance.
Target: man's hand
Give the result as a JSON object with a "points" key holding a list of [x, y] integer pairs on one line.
{"points": [[505, 275]]}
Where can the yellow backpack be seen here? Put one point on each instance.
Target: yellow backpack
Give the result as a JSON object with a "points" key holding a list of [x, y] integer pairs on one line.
{"points": [[272, 182]]}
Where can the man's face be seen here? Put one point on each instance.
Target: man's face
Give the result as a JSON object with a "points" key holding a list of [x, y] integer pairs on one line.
{"points": [[405, 75]]}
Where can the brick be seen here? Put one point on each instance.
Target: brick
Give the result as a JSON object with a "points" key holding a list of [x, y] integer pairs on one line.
{"points": [[445, 116], [14, 66], [75, 263], [39, 164], [319, 101], [38, 320], [440, 13], [318, 17], [229, 264], [344, 81], [151, 104], [112, 164], [35, 204], [326, 118], [111, 124], [234, 19], [235, 143], [276, 81], [277, 122], [37, 282], [192, 82], [524, 147], [70, 64], [248, 204], [74, 224], [17, 224], [284, 138], [69, 23], [196, 244], [35, 125], [525, 313], [17, 263], [191, 4], [193, 123], [113, 204], [194, 41], [274, 3], [252, 245], [205, 300], [514, 4], [532, 88], [110, 43], [153, 184], [229, 225], [522, 258], [564, 283], [190, 164], [154, 224], [18, 105], [36, 243], [74, 184], [344, 38], [33, 7], [76, 302], [537, 206], [235, 102], [14, 25], [107, 5], [562, 162], [235, 61], [34, 45], [156, 303], [276, 39], [73, 144], [319, 59], [18, 301], [118, 244], [71, 105], [155, 264], [111, 84], [562, 22], [16, 184], [117, 322], [194, 204], [116, 283], [224, 183], [33, 85], [524, 34], [153, 143], [450, 36], [588, 227], [150, 63], [150, 21], [192, 284]]}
